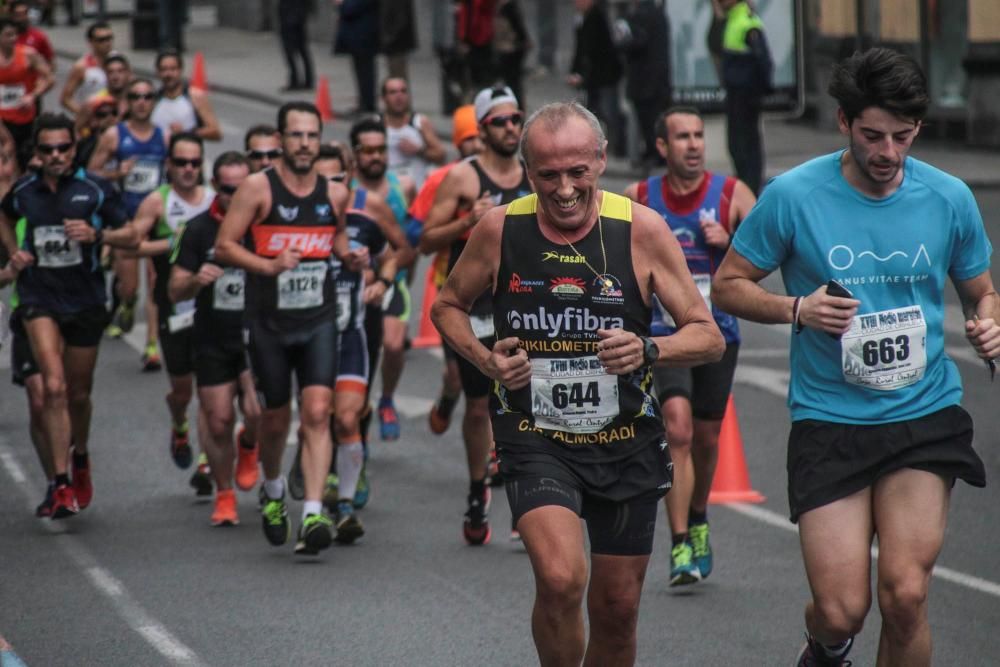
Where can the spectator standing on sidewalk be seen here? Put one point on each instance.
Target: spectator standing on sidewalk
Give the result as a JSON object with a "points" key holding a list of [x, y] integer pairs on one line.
{"points": [[511, 42], [292, 16], [597, 70], [357, 36], [474, 23], [643, 37], [399, 35]]}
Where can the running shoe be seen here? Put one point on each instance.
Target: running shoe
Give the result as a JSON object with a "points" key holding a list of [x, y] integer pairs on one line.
{"points": [[476, 528], [330, 497], [296, 483], [698, 535], [515, 535], [83, 488], [225, 509], [64, 502], [201, 480], [314, 535], [363, 490], [44, 508], [113, 331], [439, 418], [124, 316], [812, 655], [349, 527], [180, 448], [274, 517], [493, 475], [151, 359], [683, 571], [388, 420], [247, 469]]}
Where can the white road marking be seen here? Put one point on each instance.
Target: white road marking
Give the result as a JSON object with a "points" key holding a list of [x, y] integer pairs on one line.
{"points": [[137, 618], [945, 573], [412, 406]]}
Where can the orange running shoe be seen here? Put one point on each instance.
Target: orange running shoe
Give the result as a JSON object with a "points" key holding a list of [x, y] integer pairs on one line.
{"points": [[82, 486], [247, 469], [225, 509]]}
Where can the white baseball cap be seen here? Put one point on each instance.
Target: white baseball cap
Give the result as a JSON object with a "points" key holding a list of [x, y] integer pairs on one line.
{"points": [[487, 98]]}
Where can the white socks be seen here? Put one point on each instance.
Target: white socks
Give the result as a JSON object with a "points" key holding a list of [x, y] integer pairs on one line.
{"points": [[350, 458]]}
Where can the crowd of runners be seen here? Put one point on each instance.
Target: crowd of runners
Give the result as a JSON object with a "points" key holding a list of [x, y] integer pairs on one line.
{"points": [[593, 335]]}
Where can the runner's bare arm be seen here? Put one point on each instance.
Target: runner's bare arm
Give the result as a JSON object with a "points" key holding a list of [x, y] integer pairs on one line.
{"points": [[106, 147], [45, 78], [403, 252], [355, 260], [210, 129], [73, 82], [663, 271], [443, 225], [9, 239], [434, 150], [981, 305], [125, 237], [249, 205], [149, 213], [743, 201], [182, 285], [632, 191]]}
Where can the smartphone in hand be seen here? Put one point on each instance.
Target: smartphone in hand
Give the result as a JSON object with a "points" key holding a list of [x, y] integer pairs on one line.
{"points": [[833, 288]]}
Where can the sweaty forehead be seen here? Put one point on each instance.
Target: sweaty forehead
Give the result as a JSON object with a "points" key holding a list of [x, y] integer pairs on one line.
{"points": [[560, 147]]}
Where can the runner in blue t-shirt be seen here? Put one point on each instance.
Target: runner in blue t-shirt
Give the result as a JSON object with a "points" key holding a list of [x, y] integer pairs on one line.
{"points": [[878, 437]]}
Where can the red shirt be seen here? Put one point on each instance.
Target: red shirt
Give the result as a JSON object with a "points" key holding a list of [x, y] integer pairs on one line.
{"points": [[39, 41]]}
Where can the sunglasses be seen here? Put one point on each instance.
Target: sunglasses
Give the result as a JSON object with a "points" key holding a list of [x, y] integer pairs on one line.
{"points": [[49, 149], [501, 120], [226, 189], [182, 162], [149, 97], [102, 38], [260, 155], [339, 178], [371, 150]]}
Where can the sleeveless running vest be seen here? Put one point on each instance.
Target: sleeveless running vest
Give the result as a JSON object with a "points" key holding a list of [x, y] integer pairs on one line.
{"points": [[16, 80], [305, 294], [711, 200], [179, 109], [400, 163], [176, 212], [549, 298], [484, 304], [147, 172], [94, 79], [363, 232]]}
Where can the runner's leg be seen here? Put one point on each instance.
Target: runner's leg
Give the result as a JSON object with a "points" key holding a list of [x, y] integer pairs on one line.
{"points": [[613, 608]]}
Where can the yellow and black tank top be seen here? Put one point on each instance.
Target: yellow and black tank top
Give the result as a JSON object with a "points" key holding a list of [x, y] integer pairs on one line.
{"points": [[548, 297]]}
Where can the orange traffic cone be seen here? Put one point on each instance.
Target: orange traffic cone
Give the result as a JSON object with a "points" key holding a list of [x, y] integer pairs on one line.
{"points": [[427, 335], [732, 480], [198, 79], [323, 99]]}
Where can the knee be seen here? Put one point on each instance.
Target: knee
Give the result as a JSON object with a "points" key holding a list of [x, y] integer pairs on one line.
{"points": [[477, 409], [679, 440], [180, 393], [79, 397], [345, 424], [902, 599], [615, 614], [315, 414], [561, 587], [843, 616], [220, 424], [55, 390]]}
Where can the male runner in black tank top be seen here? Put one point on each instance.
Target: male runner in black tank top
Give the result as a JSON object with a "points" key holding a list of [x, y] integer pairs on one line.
{"points": [[496, 176], [572, 271], [292, 220]]}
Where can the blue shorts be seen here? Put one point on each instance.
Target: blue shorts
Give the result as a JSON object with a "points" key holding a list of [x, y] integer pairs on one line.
{"points": [[352, 369]]}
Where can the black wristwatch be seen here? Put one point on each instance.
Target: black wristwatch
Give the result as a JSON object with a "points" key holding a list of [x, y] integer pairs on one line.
{"points": [[650, 350], [385, 281]]}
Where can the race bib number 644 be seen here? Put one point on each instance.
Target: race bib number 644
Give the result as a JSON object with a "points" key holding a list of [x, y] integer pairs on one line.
{"points": [[886, 350], [573, 394]]}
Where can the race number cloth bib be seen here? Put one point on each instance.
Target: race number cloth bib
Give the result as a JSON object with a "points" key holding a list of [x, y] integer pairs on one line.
{"points": [[54, 250], [886, 350], [183, 316], [229, 290], [10, 95], [302, 287], [573, 394], [703, 281], [143, 177], [482, 326]]}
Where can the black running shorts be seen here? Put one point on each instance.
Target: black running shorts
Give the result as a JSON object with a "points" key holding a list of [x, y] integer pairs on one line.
{"points": [[310, 351], [178, 350], [219, 362], [397, 301], [617, 499], [474, 383], [22, 360], [80, 329], [707, 386], [828, 461]]}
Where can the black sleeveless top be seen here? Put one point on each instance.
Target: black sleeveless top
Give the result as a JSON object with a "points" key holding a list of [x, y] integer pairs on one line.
{"points": [[483, 305], [548, 297], [305, 294]]}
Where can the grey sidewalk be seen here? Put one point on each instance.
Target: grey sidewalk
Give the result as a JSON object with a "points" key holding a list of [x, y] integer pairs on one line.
{"points": [[250, 65]]}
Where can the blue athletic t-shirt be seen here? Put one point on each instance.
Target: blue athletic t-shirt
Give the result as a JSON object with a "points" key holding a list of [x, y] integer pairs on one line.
{"points": [[895, 255]]}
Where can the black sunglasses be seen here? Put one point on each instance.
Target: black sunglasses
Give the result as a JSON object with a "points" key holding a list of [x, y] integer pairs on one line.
{"points": [[260, 155], [183, 162], [49, 149], [501, 120], [102, 38], [339, 178], [141, 96], [226, 189]]}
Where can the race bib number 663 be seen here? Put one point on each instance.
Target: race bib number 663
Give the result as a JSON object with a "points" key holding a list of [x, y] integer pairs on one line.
{"points": [[886, 350]]}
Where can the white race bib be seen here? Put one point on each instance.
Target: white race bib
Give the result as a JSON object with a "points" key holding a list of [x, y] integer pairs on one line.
{"points": [[482, 326], [573, 394], [143, 177], [886, 350], [229, 290], [302, 287], [10, 95], [180, 321], [54, 250]]}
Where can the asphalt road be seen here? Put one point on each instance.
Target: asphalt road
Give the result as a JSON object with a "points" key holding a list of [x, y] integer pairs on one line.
{"points": [[140, 578]]}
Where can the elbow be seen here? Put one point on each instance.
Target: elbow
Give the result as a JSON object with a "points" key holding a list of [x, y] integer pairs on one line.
{"points": [[717, 346], [222, 251], [720, 294]]}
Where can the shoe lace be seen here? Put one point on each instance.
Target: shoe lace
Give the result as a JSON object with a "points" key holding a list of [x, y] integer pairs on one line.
{"points": [[681, 554], [387, 413], [699, 539], [274, 512], [314, 519]]}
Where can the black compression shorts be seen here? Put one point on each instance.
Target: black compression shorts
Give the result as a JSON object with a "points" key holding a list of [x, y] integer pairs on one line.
{"points": [[310, 351], [219, 362], [707, 386], [178, 350], [80, 329]]}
